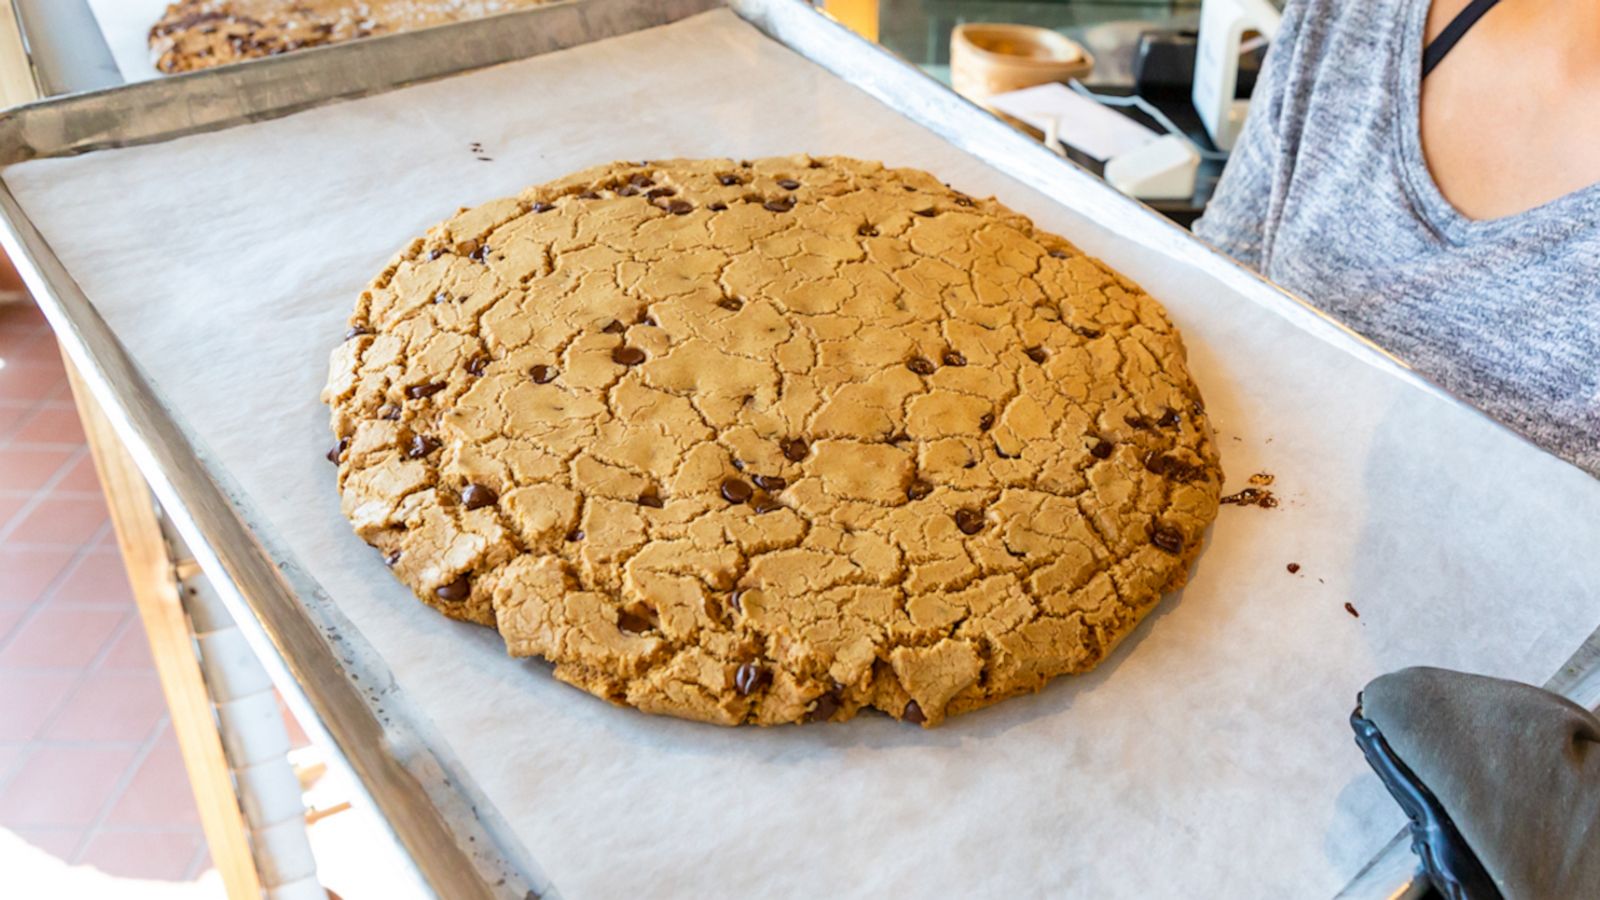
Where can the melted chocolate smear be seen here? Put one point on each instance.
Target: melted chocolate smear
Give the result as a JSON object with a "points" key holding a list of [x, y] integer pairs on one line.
{"points": [[769, 482], [633, 623], [1252, 497]]}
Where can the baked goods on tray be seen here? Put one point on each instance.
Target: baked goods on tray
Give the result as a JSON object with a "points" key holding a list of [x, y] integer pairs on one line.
{"points": [[199, 34], [773, 441]]}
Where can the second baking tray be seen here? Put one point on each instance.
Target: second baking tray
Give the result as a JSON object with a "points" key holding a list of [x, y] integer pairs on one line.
{"points": [[199, 249]]}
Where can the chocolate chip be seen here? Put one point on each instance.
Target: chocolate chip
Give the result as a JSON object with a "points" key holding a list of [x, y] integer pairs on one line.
{"points": [[542, 207], [1174, 469], [588, 195], [735, 600], [749, 678], [543, 374], [781, 205], [954, 358], [969, 520], [745, 164], [920, 365], [441, 297], [788, 184], [918, 489], [1059, 254], [614, 327], [729, 180], [357, 331], [814, 164], [419, 391], [1169, 419], [421, 445], [645, 319], [926, 213], [680, 207], [737, 464], [455, 591], [909, 187], [1102, 449], [898, 437], [392, 558], [627, 356], [1084, 332], [642, 181], [1166, 538], [735, 491], [913, 713], [651, 499], [633, 622], [389, 412], [718, 206], [963, 200], [1036, 354], [769, 482], [435, 253], [574, 536], [1293, 568], [794, 449], [338, 450], [867, 231], [476, 496], [477, 364], [826, 706], [1139, 423], [765, 504], [627, 190], [986, 422], [660, 192], [731, 303], [480, 252]]}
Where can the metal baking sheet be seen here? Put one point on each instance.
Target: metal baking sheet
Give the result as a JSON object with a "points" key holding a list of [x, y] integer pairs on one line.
{"points": [[1213, 740]]}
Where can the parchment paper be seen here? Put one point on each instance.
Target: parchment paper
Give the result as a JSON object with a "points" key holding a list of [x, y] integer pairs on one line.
{"points": [[1208, 756], [125, 24]]}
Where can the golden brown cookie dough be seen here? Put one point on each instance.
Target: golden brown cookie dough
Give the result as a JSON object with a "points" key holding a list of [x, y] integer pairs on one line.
{"points": [[771, 441], [199, 34]]}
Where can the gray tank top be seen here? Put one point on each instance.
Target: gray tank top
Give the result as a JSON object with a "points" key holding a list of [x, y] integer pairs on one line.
{"points": [[1328, 194]]}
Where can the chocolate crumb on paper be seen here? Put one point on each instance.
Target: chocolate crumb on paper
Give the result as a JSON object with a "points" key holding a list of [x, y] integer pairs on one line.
{"points": [[1250, 496], [1351, 609], [1293, 568]]}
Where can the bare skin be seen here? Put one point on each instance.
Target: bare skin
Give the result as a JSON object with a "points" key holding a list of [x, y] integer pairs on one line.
{"points": [[1508, 118]]}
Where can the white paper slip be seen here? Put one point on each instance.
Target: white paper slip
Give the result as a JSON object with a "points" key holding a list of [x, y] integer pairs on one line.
{"points": [[1100, 132], [126, 26]]}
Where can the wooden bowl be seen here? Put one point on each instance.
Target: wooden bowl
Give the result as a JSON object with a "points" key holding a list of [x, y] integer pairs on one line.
{"points": [[988, 58]]}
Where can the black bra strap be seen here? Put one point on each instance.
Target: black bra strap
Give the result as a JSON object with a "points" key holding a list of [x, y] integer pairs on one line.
{"points": [[1434, 53]]}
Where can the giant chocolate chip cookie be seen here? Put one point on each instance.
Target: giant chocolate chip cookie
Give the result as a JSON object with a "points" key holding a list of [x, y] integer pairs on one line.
{"points": [[772, 441], [199, 34]]}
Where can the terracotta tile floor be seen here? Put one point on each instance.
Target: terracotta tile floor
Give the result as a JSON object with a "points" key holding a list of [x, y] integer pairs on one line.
{"points": [[89, 770]]}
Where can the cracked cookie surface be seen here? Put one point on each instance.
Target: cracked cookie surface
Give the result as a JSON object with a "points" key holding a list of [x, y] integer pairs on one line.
{"points": [[772, 441], [199, 34]]}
